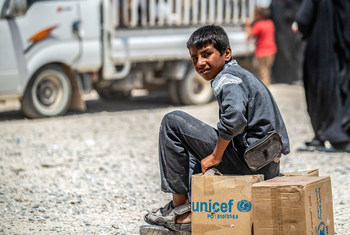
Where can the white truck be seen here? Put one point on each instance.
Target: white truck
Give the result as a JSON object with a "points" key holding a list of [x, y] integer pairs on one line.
{"points": [[51, 51]]}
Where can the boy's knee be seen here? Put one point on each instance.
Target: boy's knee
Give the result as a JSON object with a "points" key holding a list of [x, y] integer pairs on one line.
{"points": [[173, 116], [173, 119]]}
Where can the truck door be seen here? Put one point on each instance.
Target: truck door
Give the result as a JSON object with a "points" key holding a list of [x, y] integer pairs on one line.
{"points": [[47, 33], [11, 63]]}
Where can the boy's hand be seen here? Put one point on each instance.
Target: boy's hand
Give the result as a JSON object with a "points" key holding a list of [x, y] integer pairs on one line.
{"points": [[215, 157], [277, 159], [209, 161]]}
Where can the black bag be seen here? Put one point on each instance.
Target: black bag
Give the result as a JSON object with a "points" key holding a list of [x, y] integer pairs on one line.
{"points": [[263, 151]]}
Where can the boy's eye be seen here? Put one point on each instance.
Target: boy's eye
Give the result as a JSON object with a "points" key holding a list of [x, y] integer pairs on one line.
{"points": [[207, 54]]}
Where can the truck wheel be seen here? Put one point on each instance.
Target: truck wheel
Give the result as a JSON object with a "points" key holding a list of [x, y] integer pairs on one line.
{"points": [[193, 89], [48, 93]]}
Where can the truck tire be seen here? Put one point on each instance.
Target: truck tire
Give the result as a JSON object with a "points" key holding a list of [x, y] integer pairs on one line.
{"points": [[193, 89], [48, 93]]}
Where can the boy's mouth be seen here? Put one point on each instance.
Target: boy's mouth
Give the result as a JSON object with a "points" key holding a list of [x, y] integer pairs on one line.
{"points": [[204, 71]]}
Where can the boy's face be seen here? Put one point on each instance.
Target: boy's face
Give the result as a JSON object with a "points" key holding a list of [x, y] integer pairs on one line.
{"points": [[207, 60], [257, 16]]}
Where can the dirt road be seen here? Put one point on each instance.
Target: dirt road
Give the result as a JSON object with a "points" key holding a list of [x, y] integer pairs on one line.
{"points": [[97, 172]]}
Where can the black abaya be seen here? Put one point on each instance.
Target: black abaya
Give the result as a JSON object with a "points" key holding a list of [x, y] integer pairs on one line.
{"points": [[287, 67], [326, 72]]}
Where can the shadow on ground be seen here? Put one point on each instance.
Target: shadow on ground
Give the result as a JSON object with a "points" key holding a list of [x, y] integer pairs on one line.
{"points": [[154, 100]]}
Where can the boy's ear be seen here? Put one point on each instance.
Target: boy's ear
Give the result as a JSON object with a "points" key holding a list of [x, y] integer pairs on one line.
{"points": [[228, 54]]}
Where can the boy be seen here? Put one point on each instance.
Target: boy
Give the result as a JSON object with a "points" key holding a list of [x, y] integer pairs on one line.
{"points": [[188, 146], [263, 30]]}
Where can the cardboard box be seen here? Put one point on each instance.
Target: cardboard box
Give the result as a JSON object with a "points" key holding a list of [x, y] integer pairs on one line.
{"points": [[293, 205], [314, 172], [222, 204]]}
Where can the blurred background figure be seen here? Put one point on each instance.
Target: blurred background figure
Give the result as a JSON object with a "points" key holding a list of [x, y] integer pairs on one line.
{"points": [[288, 64], [263, 30], [325, 24]]}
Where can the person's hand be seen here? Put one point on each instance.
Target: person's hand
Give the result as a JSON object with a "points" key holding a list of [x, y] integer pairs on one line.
{"points": [[209, 161], [248, 29], [295, 27], [277, 159]]}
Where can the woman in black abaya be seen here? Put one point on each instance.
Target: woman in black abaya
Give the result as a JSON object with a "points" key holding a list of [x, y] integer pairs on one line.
{"points": [[326, 73]]}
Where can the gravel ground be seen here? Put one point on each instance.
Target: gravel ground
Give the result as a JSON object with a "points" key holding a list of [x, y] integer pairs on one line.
{"points": [[97, 172]]}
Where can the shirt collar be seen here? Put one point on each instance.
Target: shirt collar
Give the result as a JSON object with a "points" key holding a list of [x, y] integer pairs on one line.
{"points": [[228, 64]]}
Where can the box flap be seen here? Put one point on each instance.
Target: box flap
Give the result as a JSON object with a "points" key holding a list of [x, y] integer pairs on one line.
{"points": [[314, 172], [288, 181]]}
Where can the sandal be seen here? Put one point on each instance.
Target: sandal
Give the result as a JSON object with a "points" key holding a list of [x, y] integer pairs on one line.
{"points": [[166, 217]]}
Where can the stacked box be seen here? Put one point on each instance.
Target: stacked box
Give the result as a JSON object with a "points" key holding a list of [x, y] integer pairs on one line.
{"points": [[222, 204], [293, 205], [314, 172]]}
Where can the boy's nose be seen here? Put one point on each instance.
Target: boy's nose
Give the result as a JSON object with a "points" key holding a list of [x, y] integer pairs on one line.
{"points": [[200, 62]]}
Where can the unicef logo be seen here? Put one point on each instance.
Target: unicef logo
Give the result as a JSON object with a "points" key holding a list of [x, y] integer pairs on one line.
{"points": [[322, 229], [244, 206]]}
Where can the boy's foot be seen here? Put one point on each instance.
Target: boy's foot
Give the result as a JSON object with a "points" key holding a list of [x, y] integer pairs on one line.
{"points": [[167, 216], [184, 218]]}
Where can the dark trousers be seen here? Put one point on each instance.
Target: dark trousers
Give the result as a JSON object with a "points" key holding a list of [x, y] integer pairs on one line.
{"points": [[184, 141]]}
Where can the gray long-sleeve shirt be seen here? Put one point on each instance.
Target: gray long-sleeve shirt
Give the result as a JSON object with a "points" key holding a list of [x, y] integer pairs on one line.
{"points": [[247, 109]]}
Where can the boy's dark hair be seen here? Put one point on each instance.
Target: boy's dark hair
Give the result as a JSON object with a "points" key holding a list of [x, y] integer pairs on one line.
{"points": [[263, 12], [210, 34]]}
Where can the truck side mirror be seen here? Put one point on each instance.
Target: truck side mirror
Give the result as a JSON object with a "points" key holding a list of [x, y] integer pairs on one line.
{"points": [[15, 8]]}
